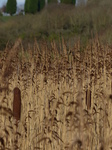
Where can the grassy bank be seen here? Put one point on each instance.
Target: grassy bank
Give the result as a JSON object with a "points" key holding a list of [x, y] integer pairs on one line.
{"points": [[57, 21]]}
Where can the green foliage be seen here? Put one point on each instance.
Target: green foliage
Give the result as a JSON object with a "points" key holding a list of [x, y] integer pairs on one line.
{"points": [[2, 43], [83, 22], [33, 6], [0, 14], [11, 7], [26, 6], [52, 1], [68, 1], [41, 4]]}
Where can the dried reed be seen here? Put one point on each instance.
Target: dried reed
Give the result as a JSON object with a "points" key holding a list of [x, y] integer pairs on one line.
{"points": [[57, 114]]}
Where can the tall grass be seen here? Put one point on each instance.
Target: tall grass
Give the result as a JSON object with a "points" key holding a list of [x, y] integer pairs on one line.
{"points": [[56, 112], [54, 21]]}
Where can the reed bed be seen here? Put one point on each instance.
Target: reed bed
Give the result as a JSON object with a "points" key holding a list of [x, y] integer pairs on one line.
{"points": [[66, 97]]}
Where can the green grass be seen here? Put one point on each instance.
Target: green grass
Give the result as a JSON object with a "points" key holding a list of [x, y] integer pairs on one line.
{"points": [[53, 21]]}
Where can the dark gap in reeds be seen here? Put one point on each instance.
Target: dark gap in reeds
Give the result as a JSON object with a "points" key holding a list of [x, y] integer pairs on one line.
{"points": [[110, 96], [2, 142], [79, 143], [3, 88], [88, 98], [8, 72], [5, 110], [111, 86], [102, 147], [17, 104]]}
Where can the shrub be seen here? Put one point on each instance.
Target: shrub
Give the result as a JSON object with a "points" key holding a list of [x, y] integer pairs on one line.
{"points": [[0, 14], [11, 7], [68, 1]]}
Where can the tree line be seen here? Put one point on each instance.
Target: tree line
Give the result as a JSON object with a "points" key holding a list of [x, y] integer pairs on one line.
{"points": [[33, 6]]}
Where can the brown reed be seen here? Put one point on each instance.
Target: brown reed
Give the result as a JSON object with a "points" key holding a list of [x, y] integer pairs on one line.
{"points": [[55, 114]]}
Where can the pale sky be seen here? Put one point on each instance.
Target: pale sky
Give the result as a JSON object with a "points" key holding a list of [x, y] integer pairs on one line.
{"points": [[2, 2]]}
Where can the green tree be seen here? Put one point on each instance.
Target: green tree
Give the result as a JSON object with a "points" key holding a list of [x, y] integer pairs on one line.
{"points": [[68, 1], [33, 6], [52, 1], [41, 4], [11, 7], [26, 6]]}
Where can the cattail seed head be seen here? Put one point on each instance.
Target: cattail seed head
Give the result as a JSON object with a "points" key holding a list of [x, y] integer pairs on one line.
{"points": [[17, 103]]}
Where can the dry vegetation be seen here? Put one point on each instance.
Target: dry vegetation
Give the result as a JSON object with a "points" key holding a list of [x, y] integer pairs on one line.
{"points": [[66, 97], [53, 22]]}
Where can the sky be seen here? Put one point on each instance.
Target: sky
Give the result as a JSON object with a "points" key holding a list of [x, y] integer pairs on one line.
{"points": [[2, 2]]}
